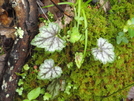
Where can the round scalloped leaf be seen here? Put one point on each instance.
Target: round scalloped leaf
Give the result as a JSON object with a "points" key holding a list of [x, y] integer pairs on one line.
{"points": [[48, 39], [48, 70], [104, 52]]}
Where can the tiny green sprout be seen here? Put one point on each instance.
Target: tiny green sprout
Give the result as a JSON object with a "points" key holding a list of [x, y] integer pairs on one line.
{"points": [[47, 96], [26, 67], [68, 87], [70, 64], [121, 38], [33, 94], [19, 90], [61, 99], [50, 14], [79, 59], [20, 82], [74, 35], [129, 27], [19, 32]]}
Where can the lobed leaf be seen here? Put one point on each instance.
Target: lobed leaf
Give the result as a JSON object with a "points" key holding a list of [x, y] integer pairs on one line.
{"points": [[48, 39], [104, 52], [48, 70]]}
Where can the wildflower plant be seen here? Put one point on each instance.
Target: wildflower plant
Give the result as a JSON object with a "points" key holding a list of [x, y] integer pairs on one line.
{"points": [[104, 52]]}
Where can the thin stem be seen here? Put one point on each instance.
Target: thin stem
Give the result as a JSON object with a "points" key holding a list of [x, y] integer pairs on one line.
{"points": [[79, 8], [86, 32]]}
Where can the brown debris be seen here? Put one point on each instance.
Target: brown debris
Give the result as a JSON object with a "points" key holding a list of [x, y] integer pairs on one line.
{"points": [[27, 17], [8, 32], [5, 20]]}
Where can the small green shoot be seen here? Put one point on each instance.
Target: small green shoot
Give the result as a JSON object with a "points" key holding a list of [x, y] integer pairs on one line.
{"points": [[47, 96], [79, 59], [121, 38], [26, 67], [129, 27], [19, 90]]}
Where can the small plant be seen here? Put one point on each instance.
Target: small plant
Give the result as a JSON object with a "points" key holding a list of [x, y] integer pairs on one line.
{"points": [[19, 32], [55, 87], [20, 88], [48, 70], [104, 52], [79, 59], [48, 38], [129, 27], [121, 38]]}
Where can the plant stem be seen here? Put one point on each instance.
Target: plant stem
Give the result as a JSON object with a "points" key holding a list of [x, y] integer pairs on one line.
{"points": [[86, 32], [79, 8]]}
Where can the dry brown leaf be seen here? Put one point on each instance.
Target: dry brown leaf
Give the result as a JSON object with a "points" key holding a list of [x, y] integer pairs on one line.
{"points": [[54, 10], [8, 32], [67, 19], [5, 20], [1, 10], [1, 2]]}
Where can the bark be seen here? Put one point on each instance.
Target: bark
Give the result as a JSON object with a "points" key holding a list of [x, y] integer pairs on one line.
{"points": [[26, 14]]}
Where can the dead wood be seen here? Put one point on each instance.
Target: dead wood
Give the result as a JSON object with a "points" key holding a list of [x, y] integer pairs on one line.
{"points": [[26, 15]]}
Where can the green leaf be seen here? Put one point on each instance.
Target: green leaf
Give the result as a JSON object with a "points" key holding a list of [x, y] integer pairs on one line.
{"points": [[68, 87], [125, 40], [20, 82], [33, 94], [79, 59], [74, 35], [19, 90], [26, 67], [125, 29], [131, 32], [132, 20], [129, 22], [26, 100], [121, 33], [118, 39], [47, 96], [70, 64]]}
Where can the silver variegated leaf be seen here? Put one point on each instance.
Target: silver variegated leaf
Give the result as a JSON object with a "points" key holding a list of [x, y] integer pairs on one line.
{"points": [[48, 38], [48, 70]]}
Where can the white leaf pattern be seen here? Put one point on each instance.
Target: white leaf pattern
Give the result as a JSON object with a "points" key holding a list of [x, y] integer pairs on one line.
{"points": [[48, 70], [104, 52], [48, 39]]}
